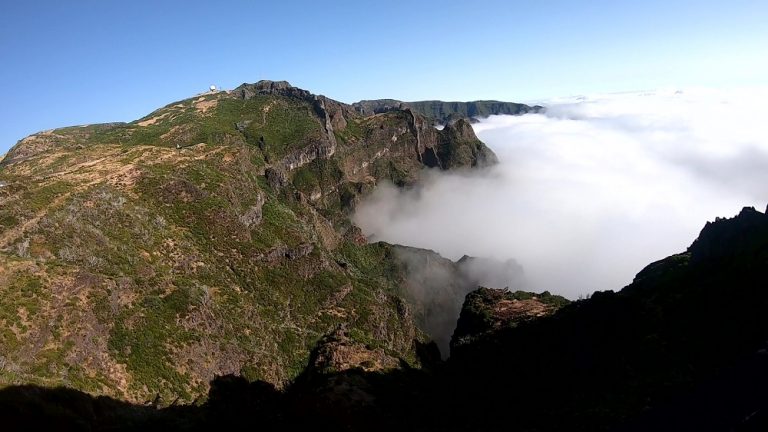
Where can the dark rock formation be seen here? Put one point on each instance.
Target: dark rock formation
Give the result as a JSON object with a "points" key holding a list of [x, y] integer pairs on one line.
{"points": [[460, 146], [454, 146], [727, 241], [265, 87], [276, 177], [487, 310], [650, 348], [337, 352]]}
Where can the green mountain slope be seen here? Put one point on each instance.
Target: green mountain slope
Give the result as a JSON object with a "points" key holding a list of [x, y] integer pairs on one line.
{"points": [[140, 260]]}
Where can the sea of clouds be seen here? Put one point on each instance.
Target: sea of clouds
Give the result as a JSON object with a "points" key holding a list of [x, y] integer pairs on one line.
{"points": [[588, 193]]}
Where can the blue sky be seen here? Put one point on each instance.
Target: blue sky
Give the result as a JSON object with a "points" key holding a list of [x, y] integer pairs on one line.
{"points": [[89, 61]]}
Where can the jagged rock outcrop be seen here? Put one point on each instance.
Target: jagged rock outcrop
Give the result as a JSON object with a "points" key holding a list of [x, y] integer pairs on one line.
{"points": [[267, 87], [337, 352], [454, 146], [486, 310], [460, 146], [747, 230]]}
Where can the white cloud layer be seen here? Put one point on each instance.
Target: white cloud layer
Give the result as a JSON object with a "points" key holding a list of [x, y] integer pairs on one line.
{"points": [[589, 193]]}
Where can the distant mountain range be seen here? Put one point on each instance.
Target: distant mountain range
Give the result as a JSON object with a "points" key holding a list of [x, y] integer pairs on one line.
{"points": [[446, 112]]}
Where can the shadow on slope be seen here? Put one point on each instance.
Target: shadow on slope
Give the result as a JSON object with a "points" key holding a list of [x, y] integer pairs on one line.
{"points": [[681, 348]]}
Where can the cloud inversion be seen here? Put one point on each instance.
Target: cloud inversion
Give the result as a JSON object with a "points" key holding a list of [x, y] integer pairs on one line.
{"points": [[591, 191]]}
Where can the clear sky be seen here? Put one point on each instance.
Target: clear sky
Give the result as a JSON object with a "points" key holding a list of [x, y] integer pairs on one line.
{"points": [[87, 61]]}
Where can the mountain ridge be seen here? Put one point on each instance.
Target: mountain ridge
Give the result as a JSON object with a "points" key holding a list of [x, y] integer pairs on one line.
{"points": [[443, 112], [210, 237]]}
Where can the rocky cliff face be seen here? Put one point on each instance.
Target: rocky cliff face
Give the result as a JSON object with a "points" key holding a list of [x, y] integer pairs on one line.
{"points": [[141, 260]]}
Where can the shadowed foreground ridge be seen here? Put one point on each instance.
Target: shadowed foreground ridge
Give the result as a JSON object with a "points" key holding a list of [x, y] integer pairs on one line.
{"points": [[681, 348]]}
